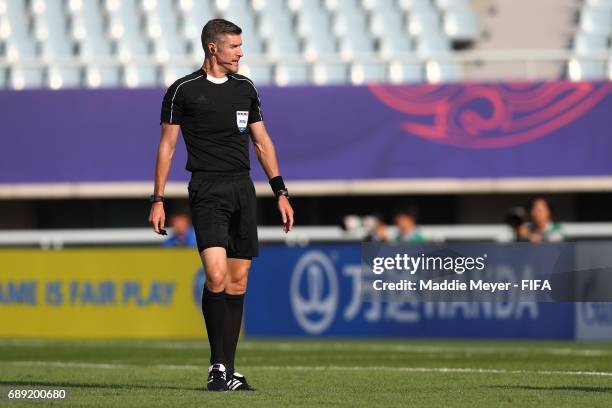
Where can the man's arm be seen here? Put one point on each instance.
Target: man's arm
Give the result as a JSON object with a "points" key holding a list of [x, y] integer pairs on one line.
{"points": [[266, 154], [167, 145]]}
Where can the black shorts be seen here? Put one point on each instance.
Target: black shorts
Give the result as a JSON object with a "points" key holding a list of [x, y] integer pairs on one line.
{"points": [[224, 213]]}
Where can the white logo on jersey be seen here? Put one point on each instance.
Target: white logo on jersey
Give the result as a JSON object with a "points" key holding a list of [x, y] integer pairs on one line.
{"points": [[242, 118]]}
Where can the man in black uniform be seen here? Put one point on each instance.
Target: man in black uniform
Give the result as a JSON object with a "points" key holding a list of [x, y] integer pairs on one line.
{"points": [[217, 110]]}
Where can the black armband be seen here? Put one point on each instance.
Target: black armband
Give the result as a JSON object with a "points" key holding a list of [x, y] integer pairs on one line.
{"points": [[277, 185]]}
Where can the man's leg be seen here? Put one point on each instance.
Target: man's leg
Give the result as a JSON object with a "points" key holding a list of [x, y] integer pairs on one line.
{"points": [[235, 288], [214, 260]]}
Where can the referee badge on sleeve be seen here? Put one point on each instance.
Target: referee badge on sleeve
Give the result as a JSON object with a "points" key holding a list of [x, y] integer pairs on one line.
{"points": [[242, 118]]}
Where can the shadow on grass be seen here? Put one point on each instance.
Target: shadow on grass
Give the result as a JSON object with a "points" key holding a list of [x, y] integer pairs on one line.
{"points": [[93, 385], [558, 388]]}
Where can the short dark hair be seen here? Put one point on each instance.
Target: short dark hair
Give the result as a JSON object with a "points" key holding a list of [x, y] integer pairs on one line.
{"points": [[215, 28], [410, 210], [548, 203]]}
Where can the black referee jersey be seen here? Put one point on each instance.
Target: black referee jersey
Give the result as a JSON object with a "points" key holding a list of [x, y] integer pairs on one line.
{"points": [[214, 120]]}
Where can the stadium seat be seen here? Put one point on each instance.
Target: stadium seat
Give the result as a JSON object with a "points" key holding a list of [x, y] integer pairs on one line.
{"points": [[368, 72], [330, 73], [63, 77], [138, 76], [49, 28], [419, 6], [461, 25], [3, 78], [392, 45], [25, 78], [260, 74], [582, 70], [252, 45], [16, 50], [275, 25], [387, 24], [86, 21], [344, 7], [594, 20], [454, 5], [424, 23], [320, 44], [406, 72], [271, 7], [599, 4], [191, 15], [590, 42], [108, 37], [241, 17], [311, 24], [102, 77], [432, 43], [344, 25], [443, 72], [380, 6], [279, 47], [356, 44], [291, 74], [171, 72]]}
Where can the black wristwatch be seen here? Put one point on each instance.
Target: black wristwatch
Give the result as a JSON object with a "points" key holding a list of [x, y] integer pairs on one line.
{"points": [[156, 199], [282, 192]]}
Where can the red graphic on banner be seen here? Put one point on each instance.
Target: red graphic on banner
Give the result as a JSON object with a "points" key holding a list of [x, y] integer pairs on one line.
{"points": [[488, 116]]}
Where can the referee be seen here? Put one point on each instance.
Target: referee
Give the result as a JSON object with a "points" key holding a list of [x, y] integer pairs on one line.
{"points": [[217, 111]]}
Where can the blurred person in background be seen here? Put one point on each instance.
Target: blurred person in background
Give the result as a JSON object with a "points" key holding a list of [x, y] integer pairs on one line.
{"points": [[183, 234], [405, 220], [516, 219], [377, 229], [541, 228]]}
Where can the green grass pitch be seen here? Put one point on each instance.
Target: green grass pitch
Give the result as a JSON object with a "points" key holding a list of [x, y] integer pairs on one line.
{"points": [[311, 373]]}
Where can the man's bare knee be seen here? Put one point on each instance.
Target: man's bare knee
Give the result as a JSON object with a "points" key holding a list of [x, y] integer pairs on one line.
{"points": [[237, 276], [215, 266], [236, 285]]}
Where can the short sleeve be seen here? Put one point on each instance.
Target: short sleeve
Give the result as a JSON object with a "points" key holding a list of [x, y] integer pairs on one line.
{"points": [[255, 111], [172, 105]]}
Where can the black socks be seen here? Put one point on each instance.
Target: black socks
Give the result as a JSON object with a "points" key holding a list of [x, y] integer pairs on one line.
{"points": [[213, 309], [223, 316], [231, 330]]}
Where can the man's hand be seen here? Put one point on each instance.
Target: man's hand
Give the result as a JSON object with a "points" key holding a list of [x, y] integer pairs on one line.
{"points": [[157, 217], [286, 213]]}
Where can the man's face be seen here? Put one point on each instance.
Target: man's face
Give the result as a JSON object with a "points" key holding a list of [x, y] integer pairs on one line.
{"points": [[540, 212], [405, 223], [229, 52], [180, 223]]}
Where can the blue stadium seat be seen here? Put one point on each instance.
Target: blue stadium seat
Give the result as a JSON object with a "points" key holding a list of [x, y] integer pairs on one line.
{"points": [[260, 74], [63, 77], [583, 70], [461, 25], [590, 42], [25, 78], [102, 77], [331, 73], [594, 20], [419, 6], [139, 75], [292, 74], [368, 72], [406, 72], [599, 4]]}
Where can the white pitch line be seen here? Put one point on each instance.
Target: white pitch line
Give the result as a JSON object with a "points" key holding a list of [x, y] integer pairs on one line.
{"points": [[467, 370], [339, 346]]}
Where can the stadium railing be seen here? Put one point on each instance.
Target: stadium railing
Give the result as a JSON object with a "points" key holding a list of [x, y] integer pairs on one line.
{"points": [[300, 236]]}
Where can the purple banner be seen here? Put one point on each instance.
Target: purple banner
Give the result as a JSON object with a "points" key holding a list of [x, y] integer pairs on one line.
{"points": [[327, 133]]}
